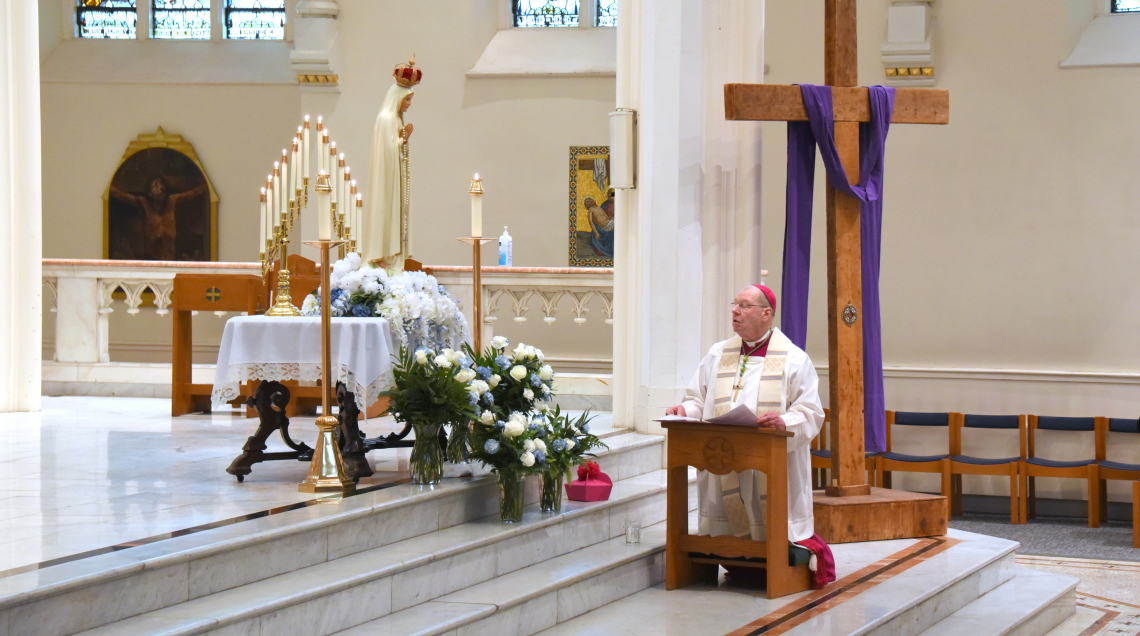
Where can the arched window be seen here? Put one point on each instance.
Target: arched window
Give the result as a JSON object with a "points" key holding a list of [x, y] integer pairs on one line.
{"points": [[255, 19], [564, 13], [1125, 6], [180, 19], [113, 19]]}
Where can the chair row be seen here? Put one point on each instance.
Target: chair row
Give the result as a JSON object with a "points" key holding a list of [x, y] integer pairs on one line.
{"points": [[1022, 470]]}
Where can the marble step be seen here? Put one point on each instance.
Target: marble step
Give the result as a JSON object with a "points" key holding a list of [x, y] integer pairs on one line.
{"points": [[1030, 604], [171, 572], [337, 594], [537, 597], [905, 603]]}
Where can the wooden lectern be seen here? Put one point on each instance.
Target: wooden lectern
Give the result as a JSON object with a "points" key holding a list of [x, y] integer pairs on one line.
{"points": [[720, 450]]}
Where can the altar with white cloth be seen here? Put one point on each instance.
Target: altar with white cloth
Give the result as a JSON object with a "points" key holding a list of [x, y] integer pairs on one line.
{"points": [[272, 350]]}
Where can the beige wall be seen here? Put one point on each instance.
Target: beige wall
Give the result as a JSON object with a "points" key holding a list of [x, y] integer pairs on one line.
{"points": [[1009, 235], [514, 132]]}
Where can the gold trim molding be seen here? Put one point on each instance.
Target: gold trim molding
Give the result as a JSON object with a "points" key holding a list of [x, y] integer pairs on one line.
{"points": [[176, 143], [925, 71], [318, 79]]}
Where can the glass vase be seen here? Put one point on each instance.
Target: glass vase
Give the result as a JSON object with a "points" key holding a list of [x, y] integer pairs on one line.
{"points": [[457, 452], [427, 455], [510, 497], [551, 500]]}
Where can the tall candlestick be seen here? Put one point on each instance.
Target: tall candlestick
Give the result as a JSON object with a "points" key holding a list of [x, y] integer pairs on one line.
{"points": [[305, 148], [476, 192], [324, 207], [263, 235], [294, 185], [286, 192]]}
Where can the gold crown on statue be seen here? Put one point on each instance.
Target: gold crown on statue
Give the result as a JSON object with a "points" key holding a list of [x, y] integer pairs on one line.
{"points": [[407, 75]]}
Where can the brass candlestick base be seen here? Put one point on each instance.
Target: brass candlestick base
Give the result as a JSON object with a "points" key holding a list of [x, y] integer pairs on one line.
{"points": [[477, 242], [284, 305], [326, 471]]}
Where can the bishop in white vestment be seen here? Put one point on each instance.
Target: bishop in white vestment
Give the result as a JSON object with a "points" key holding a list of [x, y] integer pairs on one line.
{"points": [[761, 369]]}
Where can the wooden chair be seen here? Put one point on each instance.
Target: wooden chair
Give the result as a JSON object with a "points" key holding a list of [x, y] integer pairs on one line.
{"points": [[1086, 469], [1107, 469], [203, 292], [968, 465], [720, 450], [888, 462], [821, 456]]}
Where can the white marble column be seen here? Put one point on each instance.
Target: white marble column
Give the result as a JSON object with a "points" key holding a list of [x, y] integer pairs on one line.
{"points": [[20, 232], [688, 235]]}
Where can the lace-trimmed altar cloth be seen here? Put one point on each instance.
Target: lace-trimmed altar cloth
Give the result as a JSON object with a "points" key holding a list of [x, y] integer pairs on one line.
{"points": [[277, 348]]}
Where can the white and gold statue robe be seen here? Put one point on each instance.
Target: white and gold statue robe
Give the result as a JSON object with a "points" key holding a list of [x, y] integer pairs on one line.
{"points": [[794, 394], [384, 234]]}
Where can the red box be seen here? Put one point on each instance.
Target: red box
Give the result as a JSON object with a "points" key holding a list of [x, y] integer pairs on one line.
{"points": [[592, 485]]}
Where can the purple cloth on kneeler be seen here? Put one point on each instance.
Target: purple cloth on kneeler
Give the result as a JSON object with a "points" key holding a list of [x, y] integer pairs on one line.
{"points": [[803, 137]]}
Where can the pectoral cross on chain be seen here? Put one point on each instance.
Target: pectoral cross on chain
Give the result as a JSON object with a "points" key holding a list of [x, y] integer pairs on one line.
{"points": [[736, 392]]}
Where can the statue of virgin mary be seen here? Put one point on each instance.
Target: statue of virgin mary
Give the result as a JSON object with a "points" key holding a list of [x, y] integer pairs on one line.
{"points": [[386, 237]]}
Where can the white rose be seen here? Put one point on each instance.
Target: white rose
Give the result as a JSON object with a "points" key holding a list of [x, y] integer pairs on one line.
{"points": [[531, 352], [499, 342], [514, 428], [545, 373], [518, 372], [495, 379], [487, 417], [570, 443], [528, 394], [540, 444], [452, 356], [421, 357], [442, 362], [545, 390], [480, 387], [529, 445], [538, 354], [464, 376], [527, 459]]}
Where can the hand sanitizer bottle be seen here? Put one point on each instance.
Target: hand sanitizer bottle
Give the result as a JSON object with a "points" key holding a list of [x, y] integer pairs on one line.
{"points": [[505, 241]]}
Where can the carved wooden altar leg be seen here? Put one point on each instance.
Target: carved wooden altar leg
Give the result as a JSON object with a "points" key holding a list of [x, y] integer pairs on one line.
{"points": [[680, 570], [270, 400], [348, 432]]}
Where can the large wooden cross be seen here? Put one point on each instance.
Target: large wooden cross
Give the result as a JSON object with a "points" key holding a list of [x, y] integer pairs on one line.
{"points": [[764, 102]]}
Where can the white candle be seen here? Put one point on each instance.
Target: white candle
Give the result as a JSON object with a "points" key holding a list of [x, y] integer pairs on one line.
{"points": [[286, 191], [325, 151], [476, 207], [269, 207], [334, 173], [276, 193], [263, 235], [324, 207], [355, 209], [344, 193], [305, 149], [296, 171], [359, 214]]}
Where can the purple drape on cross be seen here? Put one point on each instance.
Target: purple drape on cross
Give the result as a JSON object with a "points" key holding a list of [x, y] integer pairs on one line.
{"points": [[802, 140]]}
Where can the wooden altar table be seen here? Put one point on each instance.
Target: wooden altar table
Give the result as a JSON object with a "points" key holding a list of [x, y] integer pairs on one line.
{"points": [[720, 450]]}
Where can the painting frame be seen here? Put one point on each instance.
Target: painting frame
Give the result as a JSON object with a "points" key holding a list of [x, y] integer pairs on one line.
{"points": [[160, 140], [589, 232]]}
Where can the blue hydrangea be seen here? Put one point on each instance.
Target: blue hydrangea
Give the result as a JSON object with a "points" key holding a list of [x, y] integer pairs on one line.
{"points": [[499, 426], [361, 310], [585, 427], [492, 446], [337, 293], [539, 457], [473, 399], [484, 373], [478, 411], [534, 381], [488, 398], [502, 361], [538, 429], [464, 362], [559, 445]]}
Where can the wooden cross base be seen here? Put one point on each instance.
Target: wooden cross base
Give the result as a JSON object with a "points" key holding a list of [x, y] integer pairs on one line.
{"points": [[883, 514]]}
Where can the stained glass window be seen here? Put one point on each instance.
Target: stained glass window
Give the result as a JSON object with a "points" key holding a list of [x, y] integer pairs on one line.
{"points": [[181, 19], [255, 19], [545, 13], [1124, 6], [607, 13], [106, 18]]}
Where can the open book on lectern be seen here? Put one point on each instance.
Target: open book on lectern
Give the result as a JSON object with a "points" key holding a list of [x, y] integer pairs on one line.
{"points": [[739, 416]]}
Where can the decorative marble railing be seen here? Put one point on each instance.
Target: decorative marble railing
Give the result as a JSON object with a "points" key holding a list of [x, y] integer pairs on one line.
{"points": [[83, 297], [548, 286]]}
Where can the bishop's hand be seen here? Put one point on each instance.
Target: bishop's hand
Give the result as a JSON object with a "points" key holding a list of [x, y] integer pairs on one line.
{"points": [[769, 419], [676, 410]]}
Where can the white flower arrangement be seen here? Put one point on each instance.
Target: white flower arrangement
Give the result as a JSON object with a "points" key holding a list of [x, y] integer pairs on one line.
{"points": [[421, 312]]}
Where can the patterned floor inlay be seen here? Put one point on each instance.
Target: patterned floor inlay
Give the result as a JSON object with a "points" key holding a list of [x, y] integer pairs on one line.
{"points": [[1109, 593], [818, 602]]}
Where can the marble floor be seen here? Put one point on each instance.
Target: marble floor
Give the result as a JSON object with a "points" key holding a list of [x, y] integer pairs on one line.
{"points": [[87, 473]]}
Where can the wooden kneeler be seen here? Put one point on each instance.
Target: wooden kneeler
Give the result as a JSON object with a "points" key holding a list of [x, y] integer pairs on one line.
{"points": [[691, 559]]}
